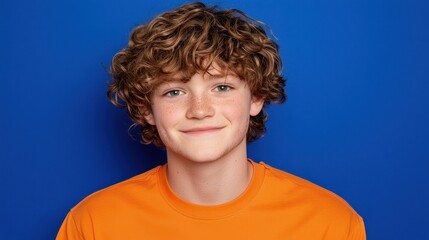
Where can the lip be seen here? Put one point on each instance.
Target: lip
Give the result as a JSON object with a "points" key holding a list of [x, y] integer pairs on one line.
{"points": [[202, 130]]}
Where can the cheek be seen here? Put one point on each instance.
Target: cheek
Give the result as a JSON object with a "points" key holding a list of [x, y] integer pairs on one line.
{"points": [[165, 115], [236, 111], [164, 120]]}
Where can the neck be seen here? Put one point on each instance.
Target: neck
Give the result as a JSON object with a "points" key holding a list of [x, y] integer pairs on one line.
{"points": [[209, 182]]}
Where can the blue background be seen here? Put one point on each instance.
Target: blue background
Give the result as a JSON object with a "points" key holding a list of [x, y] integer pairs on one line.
{"points": [[356, 121]]}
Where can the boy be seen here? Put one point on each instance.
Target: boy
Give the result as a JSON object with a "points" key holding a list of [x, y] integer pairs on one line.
{"points": [[196, 80]]}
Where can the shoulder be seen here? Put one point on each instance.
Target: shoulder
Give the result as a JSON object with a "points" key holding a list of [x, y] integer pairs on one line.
{"points": [[305, 194], [313, 206], [110, 206], [128, 190]]}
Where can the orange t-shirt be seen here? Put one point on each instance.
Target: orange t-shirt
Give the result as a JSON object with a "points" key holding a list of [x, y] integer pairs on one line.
{"points": [[275, 205]]}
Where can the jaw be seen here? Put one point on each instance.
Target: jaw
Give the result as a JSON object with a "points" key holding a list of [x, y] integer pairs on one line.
{"points": [[206, 150]]}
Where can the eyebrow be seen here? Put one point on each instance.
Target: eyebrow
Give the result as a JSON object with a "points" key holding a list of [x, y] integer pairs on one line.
{"points": [[169, 78], [215, 76], [209, 76], [218, 74]]}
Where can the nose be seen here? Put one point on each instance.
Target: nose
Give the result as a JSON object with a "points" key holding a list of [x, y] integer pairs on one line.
{"points": [[199, 107]]}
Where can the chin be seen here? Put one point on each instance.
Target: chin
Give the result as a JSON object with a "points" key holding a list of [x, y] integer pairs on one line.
{"points": [[207, 154], [204, 156], [207, 151]]}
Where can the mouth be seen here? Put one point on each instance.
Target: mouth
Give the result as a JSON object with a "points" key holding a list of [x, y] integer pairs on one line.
{"points": [[202, 130]]}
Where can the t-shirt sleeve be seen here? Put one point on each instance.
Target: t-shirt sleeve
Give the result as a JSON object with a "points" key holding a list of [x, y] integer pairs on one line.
{"points": [[357, 229], [69, 229]]}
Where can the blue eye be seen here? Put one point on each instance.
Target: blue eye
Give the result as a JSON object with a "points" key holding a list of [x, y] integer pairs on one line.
{"points": [[173, 93], [223, 88]]}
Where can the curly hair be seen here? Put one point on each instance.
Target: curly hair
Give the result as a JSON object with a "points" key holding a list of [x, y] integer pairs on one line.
{"points": [[188, 40]]}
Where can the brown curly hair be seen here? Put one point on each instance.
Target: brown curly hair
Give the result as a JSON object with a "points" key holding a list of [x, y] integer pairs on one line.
{"points": [[188, 40]]}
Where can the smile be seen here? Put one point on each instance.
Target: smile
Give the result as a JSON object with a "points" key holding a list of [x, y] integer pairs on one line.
{"points": [[203, 130]]}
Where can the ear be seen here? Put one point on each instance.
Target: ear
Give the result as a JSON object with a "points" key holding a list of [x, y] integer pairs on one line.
{"points": [[148, 116], [256, 106]]}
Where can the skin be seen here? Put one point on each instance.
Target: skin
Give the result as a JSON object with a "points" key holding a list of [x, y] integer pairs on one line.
{"points": [[203, 123]]}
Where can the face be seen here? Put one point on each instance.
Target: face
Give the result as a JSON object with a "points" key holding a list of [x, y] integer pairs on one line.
{"points": [[205, 118]]}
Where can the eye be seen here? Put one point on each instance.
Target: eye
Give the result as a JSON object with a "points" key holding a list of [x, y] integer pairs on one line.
{"points": [[223, 88], [173, 93]]}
